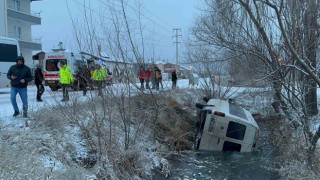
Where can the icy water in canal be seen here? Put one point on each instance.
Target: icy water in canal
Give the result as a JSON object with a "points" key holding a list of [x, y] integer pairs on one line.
{"points": [[220, 165]]}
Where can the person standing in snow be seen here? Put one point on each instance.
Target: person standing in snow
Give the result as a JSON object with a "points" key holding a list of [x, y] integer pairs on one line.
{"points": [[20, 75], [108, 77], [153, 78], [160, 78], [84, 77], [191, 80], [157, 76], [65, 79], [91, 83], [98, 77], [38, 79], [148, 75], [174, 79], [141, 77]]}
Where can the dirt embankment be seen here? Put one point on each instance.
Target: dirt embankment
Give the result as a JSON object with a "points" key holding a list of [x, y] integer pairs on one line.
{"points": [[174, 122]]}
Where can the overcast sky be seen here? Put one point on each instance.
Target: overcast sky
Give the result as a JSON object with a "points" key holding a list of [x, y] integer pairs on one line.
{"points": [[163, 16]]}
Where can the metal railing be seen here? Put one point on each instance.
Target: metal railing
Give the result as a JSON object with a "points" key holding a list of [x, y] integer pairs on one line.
{"points": [[24, 10], [25, 38]]}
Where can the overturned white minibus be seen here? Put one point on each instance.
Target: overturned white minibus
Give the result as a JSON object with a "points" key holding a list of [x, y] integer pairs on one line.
{"points": [[225, 126]]}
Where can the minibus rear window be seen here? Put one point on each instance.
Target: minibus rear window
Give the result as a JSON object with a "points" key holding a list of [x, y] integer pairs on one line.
{"points": [[236, 130]]}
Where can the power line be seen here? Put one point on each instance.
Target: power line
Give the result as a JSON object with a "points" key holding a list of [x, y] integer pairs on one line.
{"points": [[158, 17], [164, 27], [177, 43], [88, 7], [148, 17]]}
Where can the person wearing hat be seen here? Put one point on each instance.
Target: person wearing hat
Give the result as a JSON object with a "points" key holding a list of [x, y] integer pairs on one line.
{"points": [[65, 79], [38, 79], [98, 77], [19, 75]]}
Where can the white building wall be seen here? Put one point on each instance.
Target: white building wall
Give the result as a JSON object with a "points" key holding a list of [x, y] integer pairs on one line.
{"points": [[20, 30], [3, 18], [27, 54], [26, 5], [15, 25], [25, 29], [27, 33]]}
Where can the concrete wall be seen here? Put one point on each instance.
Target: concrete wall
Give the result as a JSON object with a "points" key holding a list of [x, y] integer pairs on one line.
{"points": [[3, 18]]}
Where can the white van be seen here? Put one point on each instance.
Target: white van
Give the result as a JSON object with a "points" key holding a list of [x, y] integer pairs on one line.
{"points": [[224, 126], [9, 51]]}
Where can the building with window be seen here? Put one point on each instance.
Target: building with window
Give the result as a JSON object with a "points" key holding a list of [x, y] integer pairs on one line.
{"points": [[16, 20]]}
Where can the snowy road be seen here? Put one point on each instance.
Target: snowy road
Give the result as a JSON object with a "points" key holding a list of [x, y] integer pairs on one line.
{"points": [[50, 98]]}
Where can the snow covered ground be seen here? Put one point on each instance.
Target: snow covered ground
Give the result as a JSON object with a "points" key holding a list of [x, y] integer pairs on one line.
{"points": [[53, 97], [35, 139], [16, 131]]}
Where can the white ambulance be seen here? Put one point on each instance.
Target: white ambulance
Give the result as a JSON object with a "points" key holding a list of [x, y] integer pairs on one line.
{"points": [[225, 126], [51, 65]]}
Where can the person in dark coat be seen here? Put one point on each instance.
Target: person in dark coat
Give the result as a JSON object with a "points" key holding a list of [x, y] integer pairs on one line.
{"points": [[20, 75], [38, 79], [84, 77], [158, 77], [174, 79]]}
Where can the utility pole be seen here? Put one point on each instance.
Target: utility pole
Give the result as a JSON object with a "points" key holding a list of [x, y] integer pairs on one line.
{"points": [[177, 44]]}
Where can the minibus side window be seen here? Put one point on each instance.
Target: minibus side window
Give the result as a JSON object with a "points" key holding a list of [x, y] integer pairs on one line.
{"points": [[236, 130], [231, 146]]}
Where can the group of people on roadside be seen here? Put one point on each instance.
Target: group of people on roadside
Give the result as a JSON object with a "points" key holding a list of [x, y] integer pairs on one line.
{"points": [[154, 76], [150, 75], [86, 77], [20, 75]]}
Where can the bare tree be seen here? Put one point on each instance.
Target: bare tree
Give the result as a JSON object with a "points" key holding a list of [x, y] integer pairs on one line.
{"points": [[122, 34], [281, 37]]}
